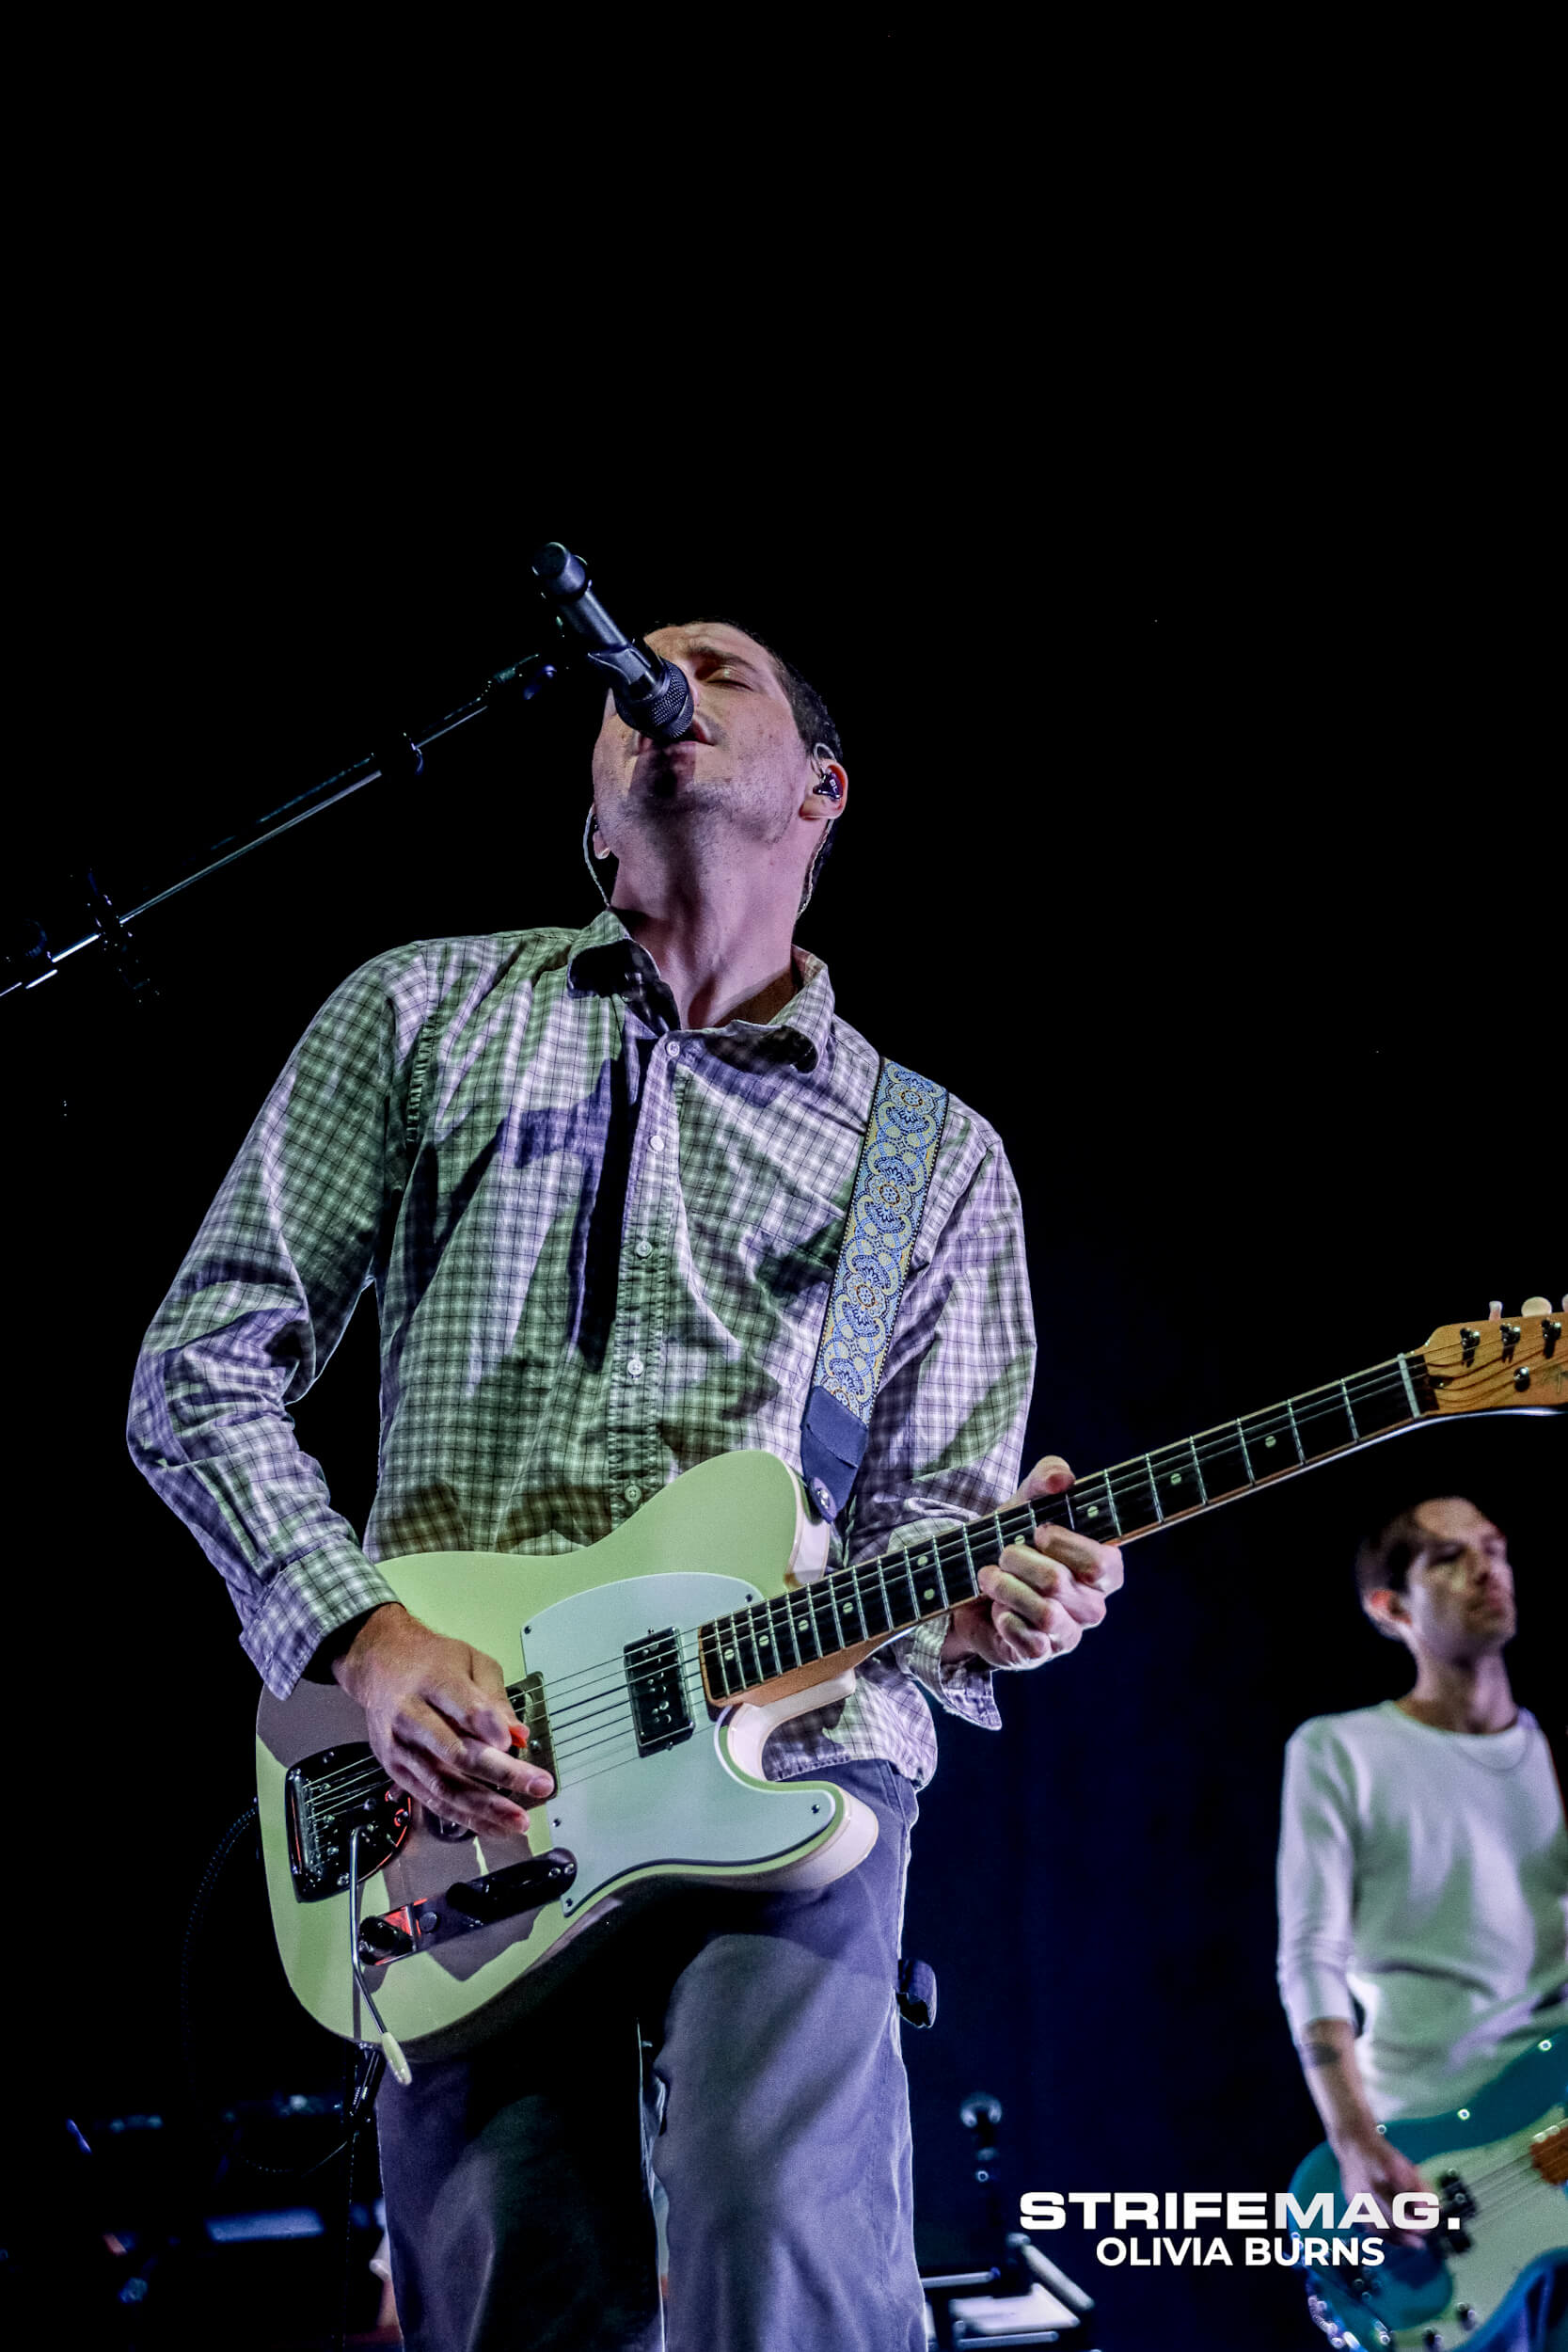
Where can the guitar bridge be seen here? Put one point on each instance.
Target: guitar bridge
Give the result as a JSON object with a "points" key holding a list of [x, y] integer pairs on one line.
{"points": [[325, 1799]]}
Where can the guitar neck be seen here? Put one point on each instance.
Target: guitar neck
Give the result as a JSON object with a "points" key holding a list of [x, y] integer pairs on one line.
{"points": [[804, 1629]]}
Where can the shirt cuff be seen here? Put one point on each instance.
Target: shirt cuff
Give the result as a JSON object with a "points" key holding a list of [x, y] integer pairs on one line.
{"points": [[304, 1603], [963, 1686], [1313, 1991]]}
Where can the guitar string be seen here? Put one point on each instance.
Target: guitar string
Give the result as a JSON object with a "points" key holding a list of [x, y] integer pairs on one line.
{"points": [[847, 1592], [1135, 1478], [952, 1546], [1514, 2166], [1132, 1477], [364, 1777]]}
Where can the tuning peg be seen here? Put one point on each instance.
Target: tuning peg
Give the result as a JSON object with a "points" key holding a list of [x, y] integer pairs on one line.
{"points": [[1536, 1307], [1494, 1311]]}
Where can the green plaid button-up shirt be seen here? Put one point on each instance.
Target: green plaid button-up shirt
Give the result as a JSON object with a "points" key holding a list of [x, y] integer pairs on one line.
{"points": [[601, 1246]]}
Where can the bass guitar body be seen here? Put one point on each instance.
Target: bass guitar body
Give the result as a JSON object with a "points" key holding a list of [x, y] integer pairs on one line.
{"points": [[654, 1784], [1498, 2166]]}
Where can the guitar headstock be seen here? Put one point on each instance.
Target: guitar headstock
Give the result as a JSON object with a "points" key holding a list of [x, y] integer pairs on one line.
{"points": [[1505, 1364]]}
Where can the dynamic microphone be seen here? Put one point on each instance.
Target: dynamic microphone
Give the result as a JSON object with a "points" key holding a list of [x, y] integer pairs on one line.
{"points": [[652, 695]]}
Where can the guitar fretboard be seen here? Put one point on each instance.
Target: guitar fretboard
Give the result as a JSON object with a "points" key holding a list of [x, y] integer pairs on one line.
{"points": [[902, 1588]]}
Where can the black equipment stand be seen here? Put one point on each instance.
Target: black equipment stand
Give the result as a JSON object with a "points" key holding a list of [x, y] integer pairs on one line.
{"points": [[33, 957]]}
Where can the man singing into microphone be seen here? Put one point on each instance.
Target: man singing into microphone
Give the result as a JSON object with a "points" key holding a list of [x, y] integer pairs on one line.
{"points": [[599, 1181]]}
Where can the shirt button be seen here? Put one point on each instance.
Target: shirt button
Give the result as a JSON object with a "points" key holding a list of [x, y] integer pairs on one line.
{"points": [[644, 1249], [656, 1143], [634, 1367], [633, 1491], [672, 1046]]}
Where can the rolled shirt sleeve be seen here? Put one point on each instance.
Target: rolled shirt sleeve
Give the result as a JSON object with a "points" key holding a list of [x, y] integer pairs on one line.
{"points": [[263, 1298]]}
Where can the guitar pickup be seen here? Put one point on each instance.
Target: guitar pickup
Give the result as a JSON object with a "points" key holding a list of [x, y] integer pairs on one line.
{"points": [[1456, 2209], [470, 1903], [659, 1714]]}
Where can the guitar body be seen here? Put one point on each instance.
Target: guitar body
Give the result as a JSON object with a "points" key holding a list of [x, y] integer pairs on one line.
{"points": [[641, 1803], [1501, 2164]]}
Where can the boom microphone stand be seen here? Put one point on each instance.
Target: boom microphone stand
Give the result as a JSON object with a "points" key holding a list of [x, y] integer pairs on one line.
{"points": [[650, 693]]}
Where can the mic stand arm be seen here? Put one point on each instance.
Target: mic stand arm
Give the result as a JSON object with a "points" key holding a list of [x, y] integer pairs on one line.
{"points": [[36, 958]]}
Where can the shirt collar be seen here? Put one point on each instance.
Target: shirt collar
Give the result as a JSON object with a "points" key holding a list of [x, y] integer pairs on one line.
{"points": [[606, 961]]}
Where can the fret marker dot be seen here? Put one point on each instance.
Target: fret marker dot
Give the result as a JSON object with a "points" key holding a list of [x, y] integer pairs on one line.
{"points": [[1268, 1442], [729, 1653], [1093, 1511], [1176, 1478], [929, 1594]]}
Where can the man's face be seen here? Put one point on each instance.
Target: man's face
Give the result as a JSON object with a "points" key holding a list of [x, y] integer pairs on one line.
{"points": [[1459, 1590], [742, 765]]}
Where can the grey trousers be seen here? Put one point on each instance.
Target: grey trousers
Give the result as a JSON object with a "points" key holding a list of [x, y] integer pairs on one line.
{"points": [[742, 2047]]}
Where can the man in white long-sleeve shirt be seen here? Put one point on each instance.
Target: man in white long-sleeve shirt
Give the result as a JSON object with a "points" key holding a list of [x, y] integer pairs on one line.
{"points": [[1423, 1867]]}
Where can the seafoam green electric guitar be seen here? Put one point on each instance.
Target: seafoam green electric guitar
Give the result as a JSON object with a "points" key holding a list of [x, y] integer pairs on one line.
{"points": [[650, 1669]]}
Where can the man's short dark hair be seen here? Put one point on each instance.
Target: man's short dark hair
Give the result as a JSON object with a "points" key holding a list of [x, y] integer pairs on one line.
{"points": [[1384, 1562]]}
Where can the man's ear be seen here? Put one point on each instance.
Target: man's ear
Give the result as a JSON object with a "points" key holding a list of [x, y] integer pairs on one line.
{"points": [[1388, 1610], [827, 794]]}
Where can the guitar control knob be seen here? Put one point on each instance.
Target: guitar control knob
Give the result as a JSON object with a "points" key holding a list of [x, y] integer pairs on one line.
{"points": [[1433, 2340], [1467, 2317]]}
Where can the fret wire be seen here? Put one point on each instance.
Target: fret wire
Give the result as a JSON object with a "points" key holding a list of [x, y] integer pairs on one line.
{"points": [[1403, 1364], [1154, 1490], [1301, 1452], [914, 1597], [865, 1587], [801, 1620], [779, 1609], [969, 1569], [851, 1590], [715, 1662], [862, 1586], [1349, 1415], [1198, 1470]]}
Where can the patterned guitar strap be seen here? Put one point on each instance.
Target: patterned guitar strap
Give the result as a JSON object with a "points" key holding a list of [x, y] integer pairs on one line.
{"points": [[907, 1114]]}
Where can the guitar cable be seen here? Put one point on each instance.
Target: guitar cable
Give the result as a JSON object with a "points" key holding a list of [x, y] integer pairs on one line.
{"points": [[369, 2061]]}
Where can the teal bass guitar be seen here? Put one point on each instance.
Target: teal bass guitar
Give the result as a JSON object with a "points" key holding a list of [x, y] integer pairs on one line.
{"points": [[1498, 2166]]}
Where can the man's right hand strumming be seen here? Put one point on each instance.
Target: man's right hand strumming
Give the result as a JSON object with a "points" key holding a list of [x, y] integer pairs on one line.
{"points": [[437, 1716]]}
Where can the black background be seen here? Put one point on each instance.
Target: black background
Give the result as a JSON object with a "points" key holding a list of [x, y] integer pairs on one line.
{"points": [[1195, 719]]}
